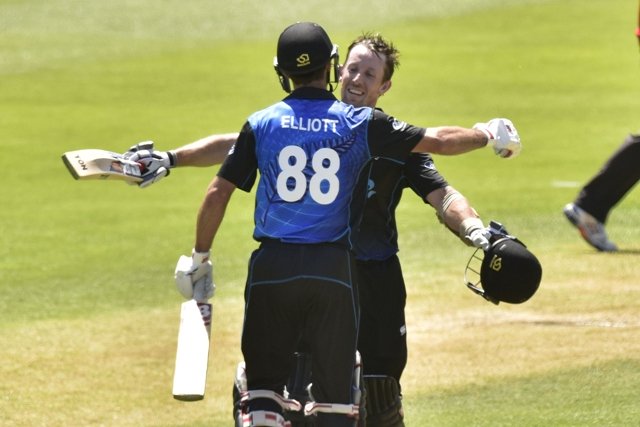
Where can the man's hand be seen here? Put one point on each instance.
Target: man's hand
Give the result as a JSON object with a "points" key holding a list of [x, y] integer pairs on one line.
{"points": [[194, 276], [156, 164], [474, 233], [502, 136], [479, 238]]}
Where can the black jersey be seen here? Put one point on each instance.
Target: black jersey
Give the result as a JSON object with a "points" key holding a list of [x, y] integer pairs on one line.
{"points": [[375, 237]]}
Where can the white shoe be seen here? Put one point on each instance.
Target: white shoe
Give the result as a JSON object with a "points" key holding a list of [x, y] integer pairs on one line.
{"points": [[590, 228]]}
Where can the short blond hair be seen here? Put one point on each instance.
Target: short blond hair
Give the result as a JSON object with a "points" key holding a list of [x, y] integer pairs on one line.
{"points": [[380, 46]]}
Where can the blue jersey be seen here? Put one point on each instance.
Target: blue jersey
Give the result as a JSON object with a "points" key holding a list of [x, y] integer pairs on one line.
{"points": [[310, 149]]}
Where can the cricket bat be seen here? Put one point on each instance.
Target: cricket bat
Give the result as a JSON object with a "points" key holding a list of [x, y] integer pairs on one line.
{"points": [[101, 164], [192, 356]]}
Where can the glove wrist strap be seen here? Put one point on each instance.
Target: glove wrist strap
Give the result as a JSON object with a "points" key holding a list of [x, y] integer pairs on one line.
{"points": [[200, 257], [173, 159], [482, 127], [470, 224]]}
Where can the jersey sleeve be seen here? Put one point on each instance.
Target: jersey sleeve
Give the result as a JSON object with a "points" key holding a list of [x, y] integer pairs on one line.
{"points": [[241, 165], [392, 138], [422, 175]]}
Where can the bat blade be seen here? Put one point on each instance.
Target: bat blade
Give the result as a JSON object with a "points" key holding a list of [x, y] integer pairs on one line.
{"points": [[192, 356], [101, 164]]}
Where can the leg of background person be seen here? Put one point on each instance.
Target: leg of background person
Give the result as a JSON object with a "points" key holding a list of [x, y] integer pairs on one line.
{"points": [[617, 176]]}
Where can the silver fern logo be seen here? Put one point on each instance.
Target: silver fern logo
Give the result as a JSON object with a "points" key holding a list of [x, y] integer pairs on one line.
{"points": [[398, 125], [371, 185]]}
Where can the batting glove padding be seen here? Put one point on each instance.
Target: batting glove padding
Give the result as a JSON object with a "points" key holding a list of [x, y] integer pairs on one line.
{"points": [[156, 164], [475, 234], [503, 137], [194, 276], [479, 238]]}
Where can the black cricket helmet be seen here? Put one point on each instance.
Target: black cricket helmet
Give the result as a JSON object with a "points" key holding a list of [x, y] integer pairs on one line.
{"points": [[507, 271], [304, 47]]}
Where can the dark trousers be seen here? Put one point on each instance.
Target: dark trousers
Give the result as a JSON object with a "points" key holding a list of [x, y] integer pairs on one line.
{"points": [[300, 293], [616, 178], [382, 339]]}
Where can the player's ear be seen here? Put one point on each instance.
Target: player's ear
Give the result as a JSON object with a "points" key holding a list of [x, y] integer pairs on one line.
{"points": [[385, 87]]}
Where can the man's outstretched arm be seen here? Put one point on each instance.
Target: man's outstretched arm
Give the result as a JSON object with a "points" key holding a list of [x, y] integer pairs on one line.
{"points": [[500, 134], [208, 151]]}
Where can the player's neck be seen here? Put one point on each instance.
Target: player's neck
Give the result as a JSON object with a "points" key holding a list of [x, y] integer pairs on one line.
{"points": [[316, 84]]}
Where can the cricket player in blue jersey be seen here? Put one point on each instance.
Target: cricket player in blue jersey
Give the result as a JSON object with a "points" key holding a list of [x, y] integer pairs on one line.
{"points": [[376, 234], [309, 149]]}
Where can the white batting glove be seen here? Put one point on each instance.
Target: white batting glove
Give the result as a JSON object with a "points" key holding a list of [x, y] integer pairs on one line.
{"points": [[156, 164], [475, 234], [479, 238], [194, 276], [503, 137]]}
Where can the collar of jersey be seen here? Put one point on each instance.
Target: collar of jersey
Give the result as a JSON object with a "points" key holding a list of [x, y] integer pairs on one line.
{"points": [[311, 93]]}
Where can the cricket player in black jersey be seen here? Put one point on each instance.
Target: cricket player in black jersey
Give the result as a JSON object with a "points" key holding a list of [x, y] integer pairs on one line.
{"points": [[366, 75], [375, 238]]}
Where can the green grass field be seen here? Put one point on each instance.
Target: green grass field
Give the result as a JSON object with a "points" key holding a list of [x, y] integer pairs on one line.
{"points": [[88, 309]]}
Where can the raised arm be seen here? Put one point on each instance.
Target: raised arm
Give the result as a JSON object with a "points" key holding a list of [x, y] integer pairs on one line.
{"points": [[500, 134], [451, 140], [208, 151]]}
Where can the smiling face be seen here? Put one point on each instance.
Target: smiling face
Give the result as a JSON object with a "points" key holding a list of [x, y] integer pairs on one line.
{"points": [[363, 77]]}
